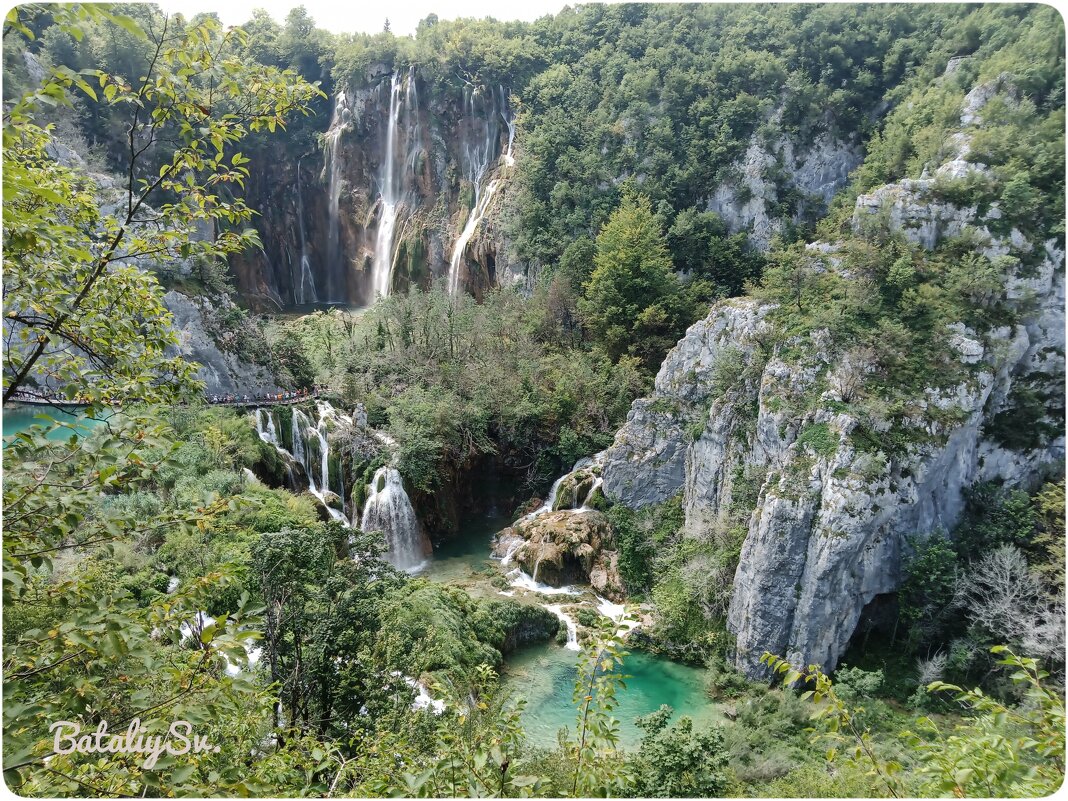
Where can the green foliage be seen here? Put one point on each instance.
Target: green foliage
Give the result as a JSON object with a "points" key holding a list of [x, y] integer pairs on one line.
{"points": [[93, 638], [819, 438], [632, 303], [998, 751], [454, 380], [592, 749], [676, 761], [927, 589]]}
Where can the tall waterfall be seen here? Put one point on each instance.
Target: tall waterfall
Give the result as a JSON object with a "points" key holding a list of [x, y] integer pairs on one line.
{"points": [[339, 123], [477, 153], [306, 292], [382, 266], [389, 511]]}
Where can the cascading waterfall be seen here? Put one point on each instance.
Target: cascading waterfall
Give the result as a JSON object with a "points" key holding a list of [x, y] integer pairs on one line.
{"points": [[268, 432], [476, 157], [307, 279], [382, 266], [309, 441], [389, 511], [266, 428], [339, 123], [569, 622]]}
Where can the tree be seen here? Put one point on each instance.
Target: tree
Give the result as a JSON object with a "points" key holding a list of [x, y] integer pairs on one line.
{"points": [[677, 762], [928, 588], [593, 747], [1004, 598], [82, 321], [632, 292], [996, 751]]}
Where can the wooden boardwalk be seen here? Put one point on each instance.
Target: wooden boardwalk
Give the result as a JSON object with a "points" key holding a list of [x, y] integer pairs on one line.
{"points": [[249, 401]]}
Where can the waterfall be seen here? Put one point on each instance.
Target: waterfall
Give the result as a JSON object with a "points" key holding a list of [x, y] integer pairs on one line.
{"points": [[308, 441], [265, 427], [307, 280], [382, 266], [567, 620], [389, 511], [509, 123], [476, 157], [585, 507], [339, 123]]}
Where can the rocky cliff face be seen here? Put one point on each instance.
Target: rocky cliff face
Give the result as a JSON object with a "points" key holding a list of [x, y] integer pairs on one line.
{"points": [[403, 189], [770, 172], [222, 372], [827, 532]]}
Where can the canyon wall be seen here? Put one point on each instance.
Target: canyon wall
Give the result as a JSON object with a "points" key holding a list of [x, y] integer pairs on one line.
{"points": [[739, 401]]}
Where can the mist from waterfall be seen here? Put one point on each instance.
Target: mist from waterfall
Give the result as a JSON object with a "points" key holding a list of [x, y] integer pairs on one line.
{"points": [[389, 510], [480, 137]]}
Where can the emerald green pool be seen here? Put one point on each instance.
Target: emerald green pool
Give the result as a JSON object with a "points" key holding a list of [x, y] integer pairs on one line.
{"points": [[19, 417], [545, 676]]}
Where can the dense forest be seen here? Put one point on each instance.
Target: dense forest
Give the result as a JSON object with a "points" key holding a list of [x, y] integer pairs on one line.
{"points": [[652, 400]]}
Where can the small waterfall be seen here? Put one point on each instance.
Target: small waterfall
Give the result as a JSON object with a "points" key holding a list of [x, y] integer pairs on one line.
{"points": [[476, 157], [306, 292], [389, 511], [339, 123], [509, 123], [265, 427], [547, 506], [522, 581], [382, 266], [585, 507], [567, 620], [308, 440]]}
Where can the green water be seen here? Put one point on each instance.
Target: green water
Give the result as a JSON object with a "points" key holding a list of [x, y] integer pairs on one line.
{"points": [[545, 676], [19, 417], [465, 561]]}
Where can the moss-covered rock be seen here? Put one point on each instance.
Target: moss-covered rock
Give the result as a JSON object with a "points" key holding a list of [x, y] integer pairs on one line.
{"points": [[566, 547]]}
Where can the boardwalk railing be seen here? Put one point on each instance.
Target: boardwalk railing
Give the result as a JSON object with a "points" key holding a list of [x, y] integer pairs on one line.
{"points": [[271, 399]]}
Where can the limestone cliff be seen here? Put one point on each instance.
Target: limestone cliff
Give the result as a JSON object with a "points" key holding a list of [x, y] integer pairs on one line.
{"points": [[400, 190], [735, 398]]}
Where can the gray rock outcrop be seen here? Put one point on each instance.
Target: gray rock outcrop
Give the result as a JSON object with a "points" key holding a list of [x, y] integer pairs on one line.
{"points": [[222, 373]]}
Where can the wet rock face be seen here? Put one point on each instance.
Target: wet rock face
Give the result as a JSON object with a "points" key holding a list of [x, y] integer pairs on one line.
{"points": [[393, 184]]}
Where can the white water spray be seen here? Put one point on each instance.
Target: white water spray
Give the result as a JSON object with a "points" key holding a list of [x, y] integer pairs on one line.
{"points": [[476, 156], [382, 266], [569, 622], [339, 123], [306, 292], [389, 511]]}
